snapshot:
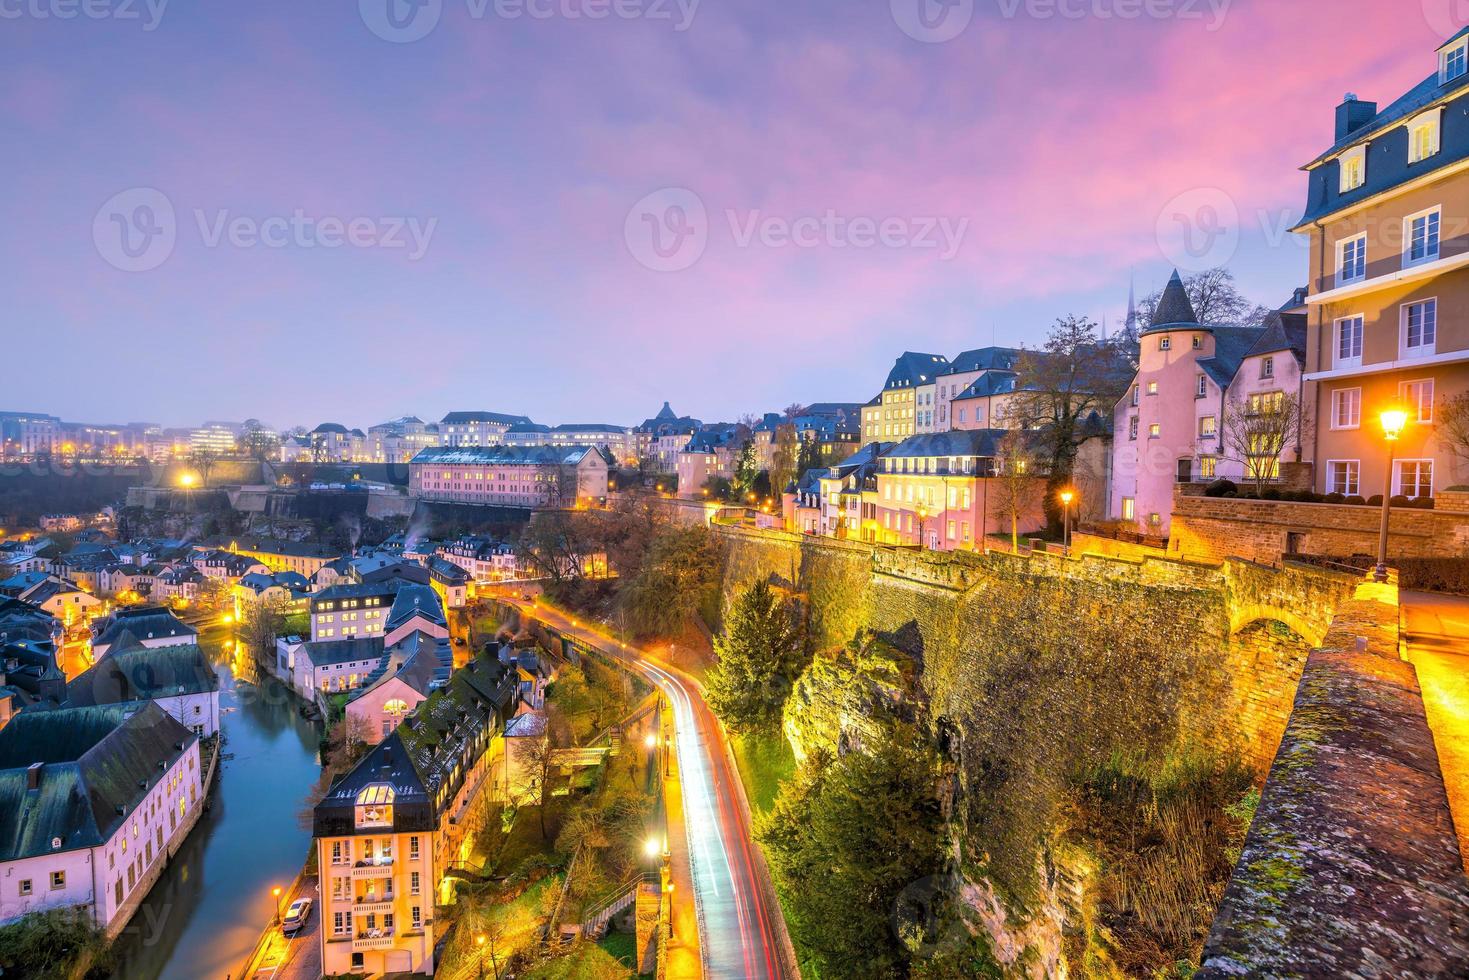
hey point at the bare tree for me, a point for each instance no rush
(1258, 429)
(1215, 298)
(259, 443)
(203, 460)
(1019, 485)
(1453, 424)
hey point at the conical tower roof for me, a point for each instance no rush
(1175, 311)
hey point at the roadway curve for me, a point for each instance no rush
(740, 932)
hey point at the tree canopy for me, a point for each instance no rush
(760, 656)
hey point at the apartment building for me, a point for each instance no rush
(388, 831)
(839, 501)
(1193, 382)
(936, 397)
(477, 428)
(1387, 214)
(937, 490)
(27, 434)
(898, 411)
(520, 477)
(399, 440)
(346, 612)
(615, 439)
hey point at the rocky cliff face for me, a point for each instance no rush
(850, 698)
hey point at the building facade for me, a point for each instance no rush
(1389, 293)
(509, 476)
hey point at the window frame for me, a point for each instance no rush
(1397, 476)
(1404, 396)
(1355, 360)
(1406, 352)
(1356, 486)
(1431, 121)
(1359, 242)
(1447, 56)
(1409, 262)
(1352, 163)
(1336, 394)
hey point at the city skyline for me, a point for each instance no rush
(490, 183)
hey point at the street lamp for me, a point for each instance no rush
(1393, 421)
(479, 944)
(652, 848)
(275, 904)
(1066, 497)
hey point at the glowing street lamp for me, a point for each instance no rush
(1393, 422)
(186, 481)
(275, 903)
(1066, 497)
(652, 848)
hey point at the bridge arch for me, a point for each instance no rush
(1242, 617)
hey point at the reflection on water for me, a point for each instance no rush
(203, 916)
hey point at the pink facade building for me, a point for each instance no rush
(509, 476)
(1172, 425)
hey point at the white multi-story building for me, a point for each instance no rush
(477, 428)
(138, 775)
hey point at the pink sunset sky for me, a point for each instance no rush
(500, 174)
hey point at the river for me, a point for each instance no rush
(203, 916)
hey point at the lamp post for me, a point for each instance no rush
(275, 905)
(1393, 420)
(1066, 497)
(479, 944)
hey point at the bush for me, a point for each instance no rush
(1270, 493)
(1221, 488)
(1421, 503)
(1399, 500)
(1375, 500)
(1449, 575)
(1336, 498)
(1357, 500)
(1458, 488)
(1230, 494)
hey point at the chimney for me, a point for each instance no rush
(33, 775)
(1352, 115)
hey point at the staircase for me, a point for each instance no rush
(594, 923)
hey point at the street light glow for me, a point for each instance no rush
(1393, 422)
(652, 848)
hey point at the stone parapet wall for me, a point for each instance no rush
(1214, 528)
(1351, 866)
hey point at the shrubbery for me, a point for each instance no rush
(1229, 491)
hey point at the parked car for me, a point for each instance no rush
(296, 916)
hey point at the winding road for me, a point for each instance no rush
(741, 934)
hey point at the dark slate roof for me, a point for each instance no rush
(99, 763)
(591, 427)
(912, 369)
(665, 414)
(502, 455)
(329, 427)
(276, 546)
(1175, 310)
(868, 454)
(145, 623)
(415, 600)
(984, 359)
(421, 661)
(329, 653)
(353, 590)
(461, 418)
(528, 427)
(972, 442)
(1231, 346)
(1282, 332)
(990, 383)
(831, 408)
(138, 673)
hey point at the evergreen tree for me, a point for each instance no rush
(759, 657)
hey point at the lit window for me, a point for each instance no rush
(1423, 136)
(1155, 430)
(1152, 387)
(1344, 476)
(1420, 328)
(58, 879)
(1353, 169)
(1198, 342)
(1129, 508)
(1208, 426)
(1208, 467)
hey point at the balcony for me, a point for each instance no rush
(372, 939)
(376, 868)
(372, 902)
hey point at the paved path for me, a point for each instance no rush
(1436, 628)
(740, 934)
(295, 957)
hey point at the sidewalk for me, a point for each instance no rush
(1436, 631)
(297, 957)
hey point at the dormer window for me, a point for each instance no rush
(1353, 168)
(1453, 62)
(1423, 136)
(375, 806)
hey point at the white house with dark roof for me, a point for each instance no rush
(93, 803)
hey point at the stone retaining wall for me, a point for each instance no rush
(1351, 867)
(1214, 528)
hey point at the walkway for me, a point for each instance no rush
(1436, 631)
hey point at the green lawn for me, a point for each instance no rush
(764, 762)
